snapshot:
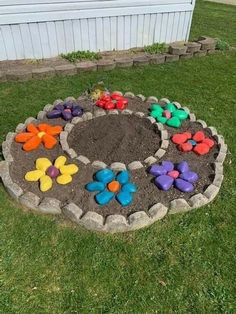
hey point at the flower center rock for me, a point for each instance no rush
(167, 114)
(53, 172)
(173, 174)
(194, 143)
(113, 186)
(41, 134)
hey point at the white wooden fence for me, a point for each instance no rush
(45, 28)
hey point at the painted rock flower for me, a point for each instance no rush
(45, 172)
(169, 114)
(109, 185)
(66, 111)
(113, 101)
(35, 135)
(198, 143)
(167, 174)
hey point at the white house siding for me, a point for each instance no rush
(45, 28)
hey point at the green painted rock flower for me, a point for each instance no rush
(169, 114)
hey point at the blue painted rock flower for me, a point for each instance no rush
(169, 114)
(167, 175)
(66, 111)
(110, 185)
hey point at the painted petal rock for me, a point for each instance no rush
(161, 119)
(64, 179)
(68, 105)
(43, 164)
(181, 114)
(208, 142)
(45, 183)
(77, 112)
(120, 105)
(174, 122)
(54, 114)
(164, 182)
(33, 176)
(59, 107)
(109, 105)
(123, 177)
(201, 149)
(157, 170)
(157, 109)
(185, 147)
(170, 107)
(184, 186)
(199, 136)
(129, 187)
(179, 138)
(95, 186)
(105, 175)
(69, 169)
(104, 197)
(182, 166)
(124, 198)
(168, 165)
(60, 161)
(67, 115)
(53, 172)
(189, 176)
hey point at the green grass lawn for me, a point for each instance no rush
(183, 264)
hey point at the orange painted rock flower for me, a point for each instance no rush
(37, 134)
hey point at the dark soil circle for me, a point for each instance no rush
(115, 138)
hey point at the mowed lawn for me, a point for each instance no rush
(183, 264)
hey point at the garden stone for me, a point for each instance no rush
(156, 59)
(160, 126)
(177, 105)
(41, 115)
(29, 200)
(135, 165)
(152, 99)
(99, 164)
(218, 179)
(92, 221)
(139, 220)
(192, 117)
(212, 130)
(202, 123)
(142, 97)
(99, 113)
(88, 66)
(18, 75)
(83, 159)
(141, 61)
(160, 153)
(127, 112)
(177, 49)
(30, 120)
(151, 119)
(172, 58)
(114, 111)
(186, 109)
(57, 102)
(116, 223)
(50, 206)
(164, 101)
(68, 128)
(179, 206)
(71, 152)
(106, 65)
(87, 116)
(200, 54)
(124, 62)
(43, 72)
(223, 148)
(118, 166)
(218, 167)
(211, 192)
(129, 95)
(70, 99)
(67, 69)
(221, 157)
(139, 114)
(6, 150)
(208, 43)
(20, 127)
(158, 211)
(76, 120)
(48, 108)
(73, 212)
(150, 160)
(164, 135)
(193, 47)
(185, 56)
(164, 144)
(198, 200)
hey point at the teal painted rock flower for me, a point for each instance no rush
(109, 185)
(169, 114)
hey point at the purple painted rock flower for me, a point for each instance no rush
(66, 111)
(167, 174)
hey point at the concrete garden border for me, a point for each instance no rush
(113, 223)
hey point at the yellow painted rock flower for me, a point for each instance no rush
(45, 172)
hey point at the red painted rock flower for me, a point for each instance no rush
(198, 143)
(113, 101)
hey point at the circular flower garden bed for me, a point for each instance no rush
(115, 163)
